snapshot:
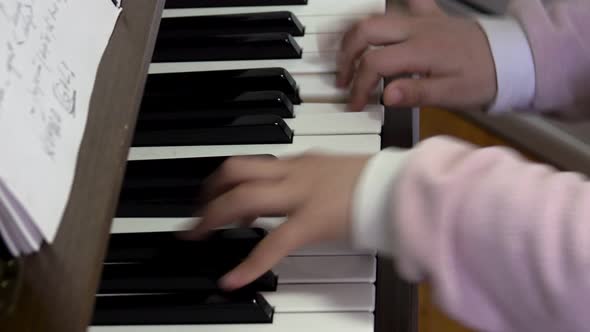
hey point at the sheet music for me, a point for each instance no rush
(49, 54)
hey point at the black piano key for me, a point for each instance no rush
(230, 24)
(227, 47)
(171, 172)
(170, 203)
(188, 276)
(248, 129)
(221, 84)
(232, 244)
(165, 188)
(229, 3)
(198, 107)
(188, 308)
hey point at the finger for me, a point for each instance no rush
(377, 30)
(247, 221)
(278, 244)
(237, 170)
(392, 60)
(424, 7)
(244, 201)
(410, 92)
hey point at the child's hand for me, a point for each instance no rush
(451, 55)
(314, 191)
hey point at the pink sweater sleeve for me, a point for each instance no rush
(504, 242)
(557, 34)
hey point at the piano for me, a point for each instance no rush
(183, 85)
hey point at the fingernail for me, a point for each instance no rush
(395, 96)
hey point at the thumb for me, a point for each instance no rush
(408, 92)
(424, 7)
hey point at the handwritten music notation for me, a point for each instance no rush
(49, 54)
(53, 83)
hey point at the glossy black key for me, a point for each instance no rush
(232, 245)
(214, 106)
(221, 84)
(229, 3)
(188, 276)
(227, 47)
(164, 188)
(247, 129)
(187, 308)
(189, 107)
(179, 202)
(230, 24)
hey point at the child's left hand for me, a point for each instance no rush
(315, 191)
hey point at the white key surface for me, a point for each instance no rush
(329, 23)
(282, 322)
(325, 42)
(333, 144)
(147, 225)
(336, 123)
(321, 88)
(313, 7)
(326, 269)
(310, 63)
(322, 108)
(322, 298)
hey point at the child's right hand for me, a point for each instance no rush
(451, 55)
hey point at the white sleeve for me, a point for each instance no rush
(513, 58)
(371, 203)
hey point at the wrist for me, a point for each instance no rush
(371, 217)
(514, 64)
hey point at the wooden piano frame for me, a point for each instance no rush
(57, 285)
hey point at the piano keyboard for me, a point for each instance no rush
(325, 287)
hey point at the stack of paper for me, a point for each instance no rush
(49, 55)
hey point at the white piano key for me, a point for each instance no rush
(325, 42)
(282, 322)
(148, 225)
(315, 7)
(321, 88)
(333, 144)
(322, 298)
(323, 108)
(349, 123)
(310, 63)
(326, 269)
(329, 23)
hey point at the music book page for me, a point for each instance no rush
(49, 55)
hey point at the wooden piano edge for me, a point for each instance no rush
(59, 282)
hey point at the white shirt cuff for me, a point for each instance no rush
(513, 58)
(371, 218)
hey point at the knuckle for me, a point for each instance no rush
(416, 94)
(364, 26)
(367, 63)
